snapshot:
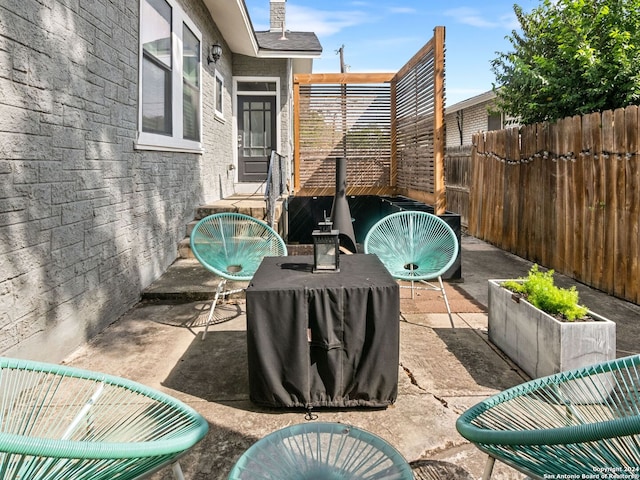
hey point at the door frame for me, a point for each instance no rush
(265, 105)
(246, 187)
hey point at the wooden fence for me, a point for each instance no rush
(565, 195)
(457, 168)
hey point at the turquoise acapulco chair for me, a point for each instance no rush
(232, 246)
(581, 423)
(321, 450)
(414, 247)
(64, 423)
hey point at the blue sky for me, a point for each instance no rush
(381, 36)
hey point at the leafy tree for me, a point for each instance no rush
(571, 57)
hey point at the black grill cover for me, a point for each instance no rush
(323, 339)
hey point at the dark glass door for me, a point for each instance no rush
(256, 136)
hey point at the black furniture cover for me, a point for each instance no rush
(323, 339)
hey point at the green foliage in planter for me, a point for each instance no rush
(539, 290)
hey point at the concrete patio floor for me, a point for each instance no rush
(443, 370)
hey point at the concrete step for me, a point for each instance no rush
(186, 280)
(254, 206)
(259, 212)
(190, 226)
(184, 249)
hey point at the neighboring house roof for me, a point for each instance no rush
(232, 19)
(470, 102)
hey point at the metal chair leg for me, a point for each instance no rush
(219, 291)
(433, 286)
(177, 471)
(446, 300)
(488, 468)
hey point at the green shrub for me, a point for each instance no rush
(539, 290)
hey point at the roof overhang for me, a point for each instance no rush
(232, 19)
(292, 54)
(470, 102)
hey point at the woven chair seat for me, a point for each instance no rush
(414, 246)
(579, 422)
(232, 246)
(62, 423)
(321, 450)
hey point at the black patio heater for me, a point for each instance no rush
(340, 212)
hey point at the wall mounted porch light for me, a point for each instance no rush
(215, 52)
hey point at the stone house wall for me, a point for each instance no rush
(86, 220)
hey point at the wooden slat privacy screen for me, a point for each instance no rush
(414, 120)
(344, 120)
(419, 124)
(389, 127)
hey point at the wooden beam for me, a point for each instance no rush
(440, 204)
(311, 78)
(351, 191)
(393, 167)
(296, 137)
(419, 195)
(417, 58)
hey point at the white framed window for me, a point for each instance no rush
(219, 95)
(494, 121)
(170, 93)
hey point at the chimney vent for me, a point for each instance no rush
(278, 9)
(340, 212)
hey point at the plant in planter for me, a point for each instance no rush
(543, 328)
(540, 290)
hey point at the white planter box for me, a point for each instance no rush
(541, 345)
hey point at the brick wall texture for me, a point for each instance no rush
(475, 119)
(87, 221)
(277, 15)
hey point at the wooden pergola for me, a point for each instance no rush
(389, 127)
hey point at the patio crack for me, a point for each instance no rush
(414, 381)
